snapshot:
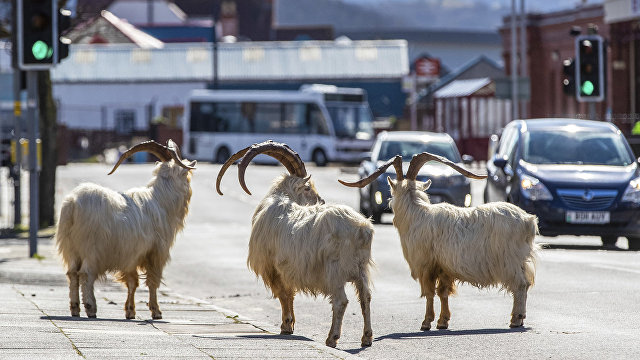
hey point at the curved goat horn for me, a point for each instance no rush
(420, 159)
(396, 161)
(279, 151)
(174, 151)
(228, 163)
(162, 152)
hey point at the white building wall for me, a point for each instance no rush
(94, 106)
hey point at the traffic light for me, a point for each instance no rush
(64, 24)
(569, 77)
(37, 37)
(589, 68)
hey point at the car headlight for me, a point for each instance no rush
(533, 189)
(632, 193)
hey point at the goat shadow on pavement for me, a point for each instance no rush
(84, 318)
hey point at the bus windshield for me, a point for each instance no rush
(353, 121)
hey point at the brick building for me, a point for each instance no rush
(549, 42)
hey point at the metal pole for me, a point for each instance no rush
(514, 63)
(523, 51)
(32, 121)
(17, 134)
(215, 46)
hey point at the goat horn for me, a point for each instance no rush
(396, 161)
(228, 163)
(279, 151)
(162, 152)
(174, 151)
(420, 159)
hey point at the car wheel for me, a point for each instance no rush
(363, 209)
(485, 195)
(222, 155)
(609, 241)
(319, 157)
(634, 243)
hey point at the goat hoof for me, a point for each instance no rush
(75, 314)
(130, 315)
(426, 327)
(286, 332)
(331, 342)
(156, 316)
(442, 325)
(366, 341)
(92, 316)
(516, 324)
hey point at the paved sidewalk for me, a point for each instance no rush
(35, 322)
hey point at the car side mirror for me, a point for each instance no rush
(500, 161)
(467, 159)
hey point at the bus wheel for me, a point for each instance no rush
(222, 155)
(319, 157)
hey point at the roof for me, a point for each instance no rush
(108, 28)
(242, 61)
(426, 35)
(462, 88)
(443, 81)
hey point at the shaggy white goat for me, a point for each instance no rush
(299, 244)
(100, 230)
(488, 245)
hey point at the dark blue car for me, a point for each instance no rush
(579, 177)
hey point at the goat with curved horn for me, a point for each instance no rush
(164, 153)
(293, 230)
(396, 161)
(420, 159)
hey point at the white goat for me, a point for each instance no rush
(489, 245)
(100, 230)
(299, 244)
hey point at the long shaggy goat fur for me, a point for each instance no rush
(489, 245)
(100, 231)
(299, 244)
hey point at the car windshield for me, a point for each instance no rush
(575, 147)
(407, 149)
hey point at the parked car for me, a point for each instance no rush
(447, 184)
(579, 177)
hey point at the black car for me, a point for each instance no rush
(447, 185)
(579, 177)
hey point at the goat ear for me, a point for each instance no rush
(392, 182)
(193, 163)
(426, 185)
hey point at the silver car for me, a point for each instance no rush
(447, 185)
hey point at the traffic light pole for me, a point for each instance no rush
(32, 121)
(17, 134)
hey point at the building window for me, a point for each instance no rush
(125, 120)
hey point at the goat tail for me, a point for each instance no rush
(530, 262)
(63, 232)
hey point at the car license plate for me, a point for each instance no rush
(587, 217)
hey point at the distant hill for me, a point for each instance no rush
(346, 15)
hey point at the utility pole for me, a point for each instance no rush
(523, 52)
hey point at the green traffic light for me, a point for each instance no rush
(41, 50)
(587, 88)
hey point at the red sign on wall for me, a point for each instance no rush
(428, 68)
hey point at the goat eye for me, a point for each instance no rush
(307, 188)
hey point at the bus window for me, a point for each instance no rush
(316, 123)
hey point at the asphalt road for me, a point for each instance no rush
(584, 303)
